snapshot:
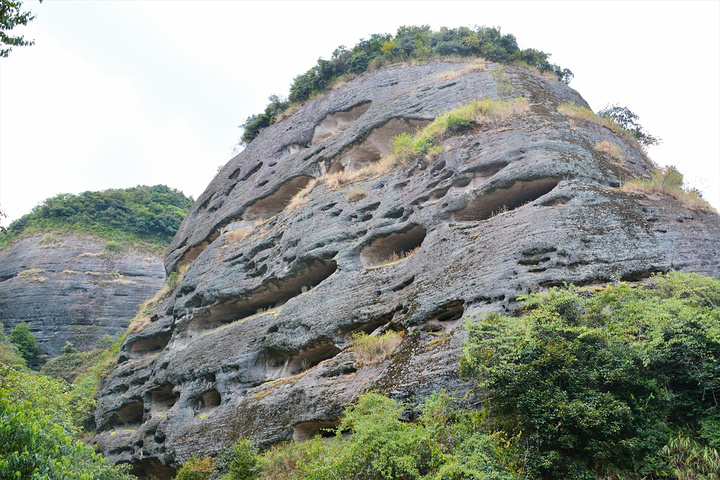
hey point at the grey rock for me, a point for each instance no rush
(254, 340)
(67, 290)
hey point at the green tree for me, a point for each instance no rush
(628, 120)
(11, 16)
(597, 383)
(24, 340)
(38, 433)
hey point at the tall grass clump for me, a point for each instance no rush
(668, 181)
(572, 110)
(370, 349)
(427, 141)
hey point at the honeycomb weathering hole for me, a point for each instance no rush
(496, 201)
(149, 345)
(129, 414)
(279, 364)
(274, 203)
(383, 250)
(272, 293)
(377, 144)
(303, 431)
(163, 396)
(337, 122)
(208, 400)
(450, 312)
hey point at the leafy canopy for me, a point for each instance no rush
(410, 42)
(599, 382)
(38, 433)
(628, 120)
(148, 214)
(24, 340)
(11, 16)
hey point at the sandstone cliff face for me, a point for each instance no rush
(254, 340)
(66, 289)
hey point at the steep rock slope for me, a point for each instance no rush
(67, 288)
(254, 340)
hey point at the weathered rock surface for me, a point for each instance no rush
(254, 340)
(67, 289)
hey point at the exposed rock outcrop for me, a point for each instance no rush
(254, 340)
(66, 287)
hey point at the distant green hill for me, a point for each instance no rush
(146, 214)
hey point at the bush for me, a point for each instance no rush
(9, 353)
(628, 120)
(238, 462)
(668, 181)
(38, 438)
(409, 42)
(196, 469)
(595, 383)
(426, 141)
(24, 340)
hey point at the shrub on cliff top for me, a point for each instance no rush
(408, 43)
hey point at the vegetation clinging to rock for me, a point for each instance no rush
(597, 383)
(409, 43)
(39, 437)
(147, 214)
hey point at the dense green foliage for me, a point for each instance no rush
(444, 443)
(9, 353)
(148, 214)
(409, 43)
(84, 370)
(604, 384)
(629, 121)
(24, 340)
(11, 16)
(39, 433)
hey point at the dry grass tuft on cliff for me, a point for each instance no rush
(425, 143)
(668, 181)
(609, 148)
(371, 349)
(573, 111)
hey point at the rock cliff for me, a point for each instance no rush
(66, 287)
(254, 340)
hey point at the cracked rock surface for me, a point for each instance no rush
(67, 289)
(255, 338)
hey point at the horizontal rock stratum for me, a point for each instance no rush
(68, 288)
(255, 338)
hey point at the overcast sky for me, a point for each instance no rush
(122, 93)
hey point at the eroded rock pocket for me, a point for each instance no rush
(273, 293)
(278, 364)
(393, 247)
(336, 122)
(377, 144)
(148, 346)
(502, 200)
(274, 203)
(206, 402)
(128, 416)
(163, 398)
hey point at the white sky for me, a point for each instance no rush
(122, 93)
